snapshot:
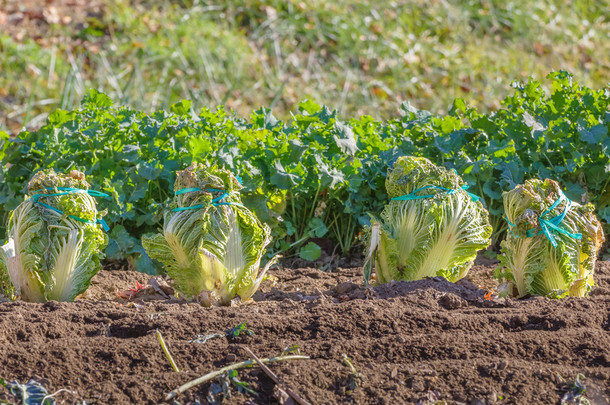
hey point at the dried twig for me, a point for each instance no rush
(167, 353)
(277, 380)
(223, 370)
(55, 393)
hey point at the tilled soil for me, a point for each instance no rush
(426, 342)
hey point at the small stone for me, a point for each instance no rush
(231, 357)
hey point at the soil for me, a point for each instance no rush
(426, 342)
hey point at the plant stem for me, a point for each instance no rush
(209, 376)
(167, 353)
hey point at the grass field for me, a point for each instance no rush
(361, 58)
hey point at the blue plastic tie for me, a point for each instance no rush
(412, 195)
(548, 226)
(67, 191)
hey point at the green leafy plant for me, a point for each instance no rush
(553, 242)
(56, 238)
(430, 227)
(314, 178)
(211, 245)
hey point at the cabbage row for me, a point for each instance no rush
(211, 245)
(315, 178)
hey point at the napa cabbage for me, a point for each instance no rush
(552, 242)
(211, 245)
(55, 240)
(431, 226)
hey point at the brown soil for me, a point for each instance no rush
(423, 342)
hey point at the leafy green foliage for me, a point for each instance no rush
(430, 227)
(553, 243)
(238, 330)
(54, 247)
(317, 176)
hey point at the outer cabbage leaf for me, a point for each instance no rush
(532, 265)
(50, 256)
(212, 252)
(434, 236)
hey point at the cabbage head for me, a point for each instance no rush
(55, 240)
(211, 245)
(431, 226)
(552, 242)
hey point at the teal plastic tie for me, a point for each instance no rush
(67, 191)
(548, 226)
(413, 195)
(186, 190)
(215, 201)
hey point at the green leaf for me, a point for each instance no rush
(344, 137)
(309, 106)
(290, 229)
(491, 189)
(181, 108)
(150, 171)
(282, 179)
(59, 117)
(605, 214)
(121, 243)
(310, 252)
(129, 153)
(95, 98)
(594, 135)
(317, 227)
(270, 121)
(237, 330)
(512, 174)
(297, 150)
